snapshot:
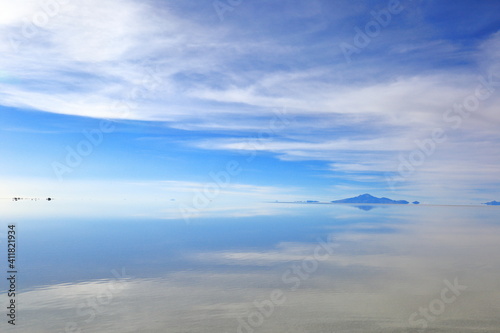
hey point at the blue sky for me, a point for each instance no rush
(312, 99)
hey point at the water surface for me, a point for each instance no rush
(303, 268)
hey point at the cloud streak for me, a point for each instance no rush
(228, 77)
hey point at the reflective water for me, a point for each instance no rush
(305, 268)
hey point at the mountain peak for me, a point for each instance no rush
(368, 198)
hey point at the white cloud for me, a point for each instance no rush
(14, 12)
(90, 58)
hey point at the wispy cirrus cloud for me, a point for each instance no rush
(226, 78)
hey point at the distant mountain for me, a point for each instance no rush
(370, 199)
(492, 203)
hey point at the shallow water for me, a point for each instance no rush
(307, 268)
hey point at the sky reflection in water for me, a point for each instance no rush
(386, 272)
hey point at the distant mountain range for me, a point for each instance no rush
(370, 199)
